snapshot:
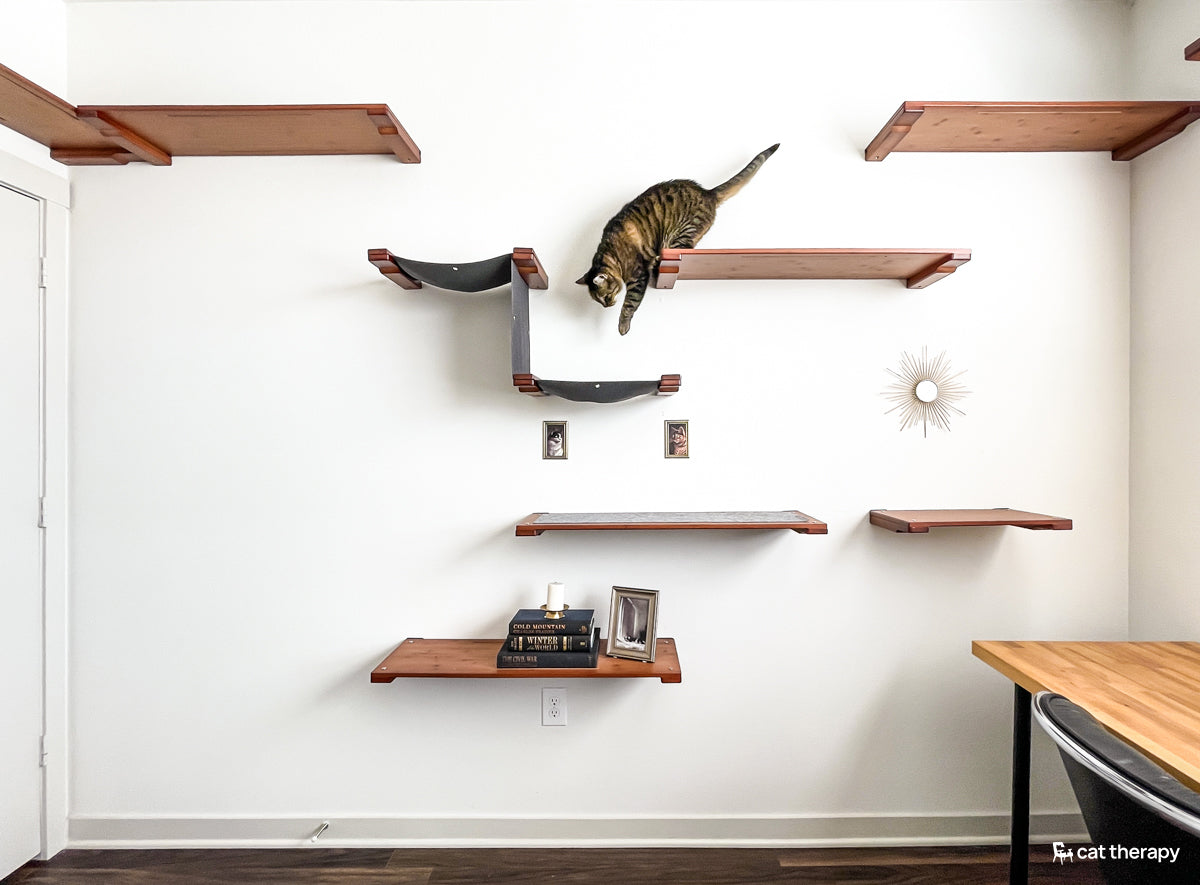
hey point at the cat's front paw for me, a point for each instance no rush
(624, 323)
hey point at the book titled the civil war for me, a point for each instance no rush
(507, 659)
(533, 621)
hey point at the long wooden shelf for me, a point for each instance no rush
(476, 659)
(114, 135)
(1124, 128)
(916, 268)
(921, 521)
(536, 523)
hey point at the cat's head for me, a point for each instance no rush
(604, 287)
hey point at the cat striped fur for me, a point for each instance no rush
(672, 214)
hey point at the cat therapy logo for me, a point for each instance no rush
(1152, 854)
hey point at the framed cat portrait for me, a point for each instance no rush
(675, 439)
(554, 440)
(632, 624)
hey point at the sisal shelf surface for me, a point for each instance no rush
(536, 523)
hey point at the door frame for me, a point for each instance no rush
(52, 193)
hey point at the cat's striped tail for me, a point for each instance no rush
(724, 191)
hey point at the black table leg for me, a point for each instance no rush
(1018, 862)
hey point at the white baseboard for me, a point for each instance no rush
(96, 831)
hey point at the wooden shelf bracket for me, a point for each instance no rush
(522, 271)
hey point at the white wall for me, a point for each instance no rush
(284, 464)
(1165, 430)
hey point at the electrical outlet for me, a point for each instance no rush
(554, 706)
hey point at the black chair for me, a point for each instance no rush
(1145, 821)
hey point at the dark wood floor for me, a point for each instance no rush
(571, 866)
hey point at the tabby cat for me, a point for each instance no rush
(670, 215)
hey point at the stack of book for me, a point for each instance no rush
(534, 640)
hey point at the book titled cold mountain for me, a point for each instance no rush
(529, 621)
(511, 660)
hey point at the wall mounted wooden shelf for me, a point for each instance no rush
(536, 523)
(916, 268)
(921, 521)
(522, 271)
(476, 659)
(114, 135)
(1192, 53)
(1125, 128)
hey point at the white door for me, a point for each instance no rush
(20, 538)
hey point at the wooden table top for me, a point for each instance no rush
(1147, 693)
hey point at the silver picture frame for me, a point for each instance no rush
(632, 624)
(554, 440)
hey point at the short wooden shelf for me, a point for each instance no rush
(114, 135)
(1124, 128)
(1192, 53)
(536, 523)
(476, 659)
(920, 521)
(916, 268)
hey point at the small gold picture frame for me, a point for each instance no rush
(554, 440)
(675, 439)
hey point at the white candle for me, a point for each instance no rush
(554, 596)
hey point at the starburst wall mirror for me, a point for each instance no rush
(925, 391)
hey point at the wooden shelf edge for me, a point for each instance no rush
(921, 521)
(530, 268)
(124, 137)
(386, 262)
(1192, 52)
(1156, 136)
(393, 133)
(894, 131)
(527, 383)
(532, 526)
(42, 116)
(417, 658)
(939, 269)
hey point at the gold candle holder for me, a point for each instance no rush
(555, 614)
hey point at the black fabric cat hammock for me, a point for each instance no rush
(522, 271)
